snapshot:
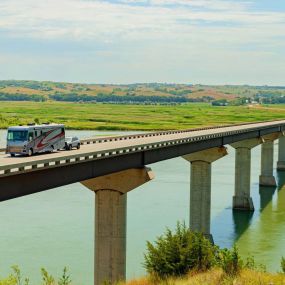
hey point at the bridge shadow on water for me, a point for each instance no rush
(230, 225)
(280, 179)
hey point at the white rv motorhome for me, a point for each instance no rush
(32, 139)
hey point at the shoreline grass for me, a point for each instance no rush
(215, 276)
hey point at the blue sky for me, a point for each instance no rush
(127, 41)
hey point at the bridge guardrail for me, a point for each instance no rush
(6, 170)
(160, 133)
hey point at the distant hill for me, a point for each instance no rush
(17, 90)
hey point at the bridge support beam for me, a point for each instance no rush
(266, 177)
(200, 188)
(110, 221)
(281, 154)
(242, 199)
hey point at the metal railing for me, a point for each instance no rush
(162, 133)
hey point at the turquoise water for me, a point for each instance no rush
(55, 228)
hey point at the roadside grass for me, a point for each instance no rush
(133, 117)
(216, 277)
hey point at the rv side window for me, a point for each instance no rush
(31, 136)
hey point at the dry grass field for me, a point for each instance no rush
(217, 277)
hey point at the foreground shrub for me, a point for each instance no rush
(176, 253)
(231, 262)
(283, 264)
(16, 278)
(47, 278)
(65, 278)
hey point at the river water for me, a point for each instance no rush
(55, 228)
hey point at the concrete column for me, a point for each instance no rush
(200, 188)
(281, 154)
(242, 199)
(266, 177)
(110, 221)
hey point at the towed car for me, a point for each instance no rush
(71, 142)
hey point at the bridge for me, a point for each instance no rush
(113, 166)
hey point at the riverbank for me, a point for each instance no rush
(217, 277)
(212, 277)
(133, 117)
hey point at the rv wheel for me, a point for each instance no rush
(78, 146)
(30, 152)
(12, 154)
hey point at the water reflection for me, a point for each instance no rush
(266, 195)
(259, 233)
(264, 237)
(241, 222)
(280, 175)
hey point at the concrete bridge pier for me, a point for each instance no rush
(281, 154)
(266, 177)
(110, 221)
(242, 199)
(200, 188)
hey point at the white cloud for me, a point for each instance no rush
(209, 4)
(150, 32)
(78, 19)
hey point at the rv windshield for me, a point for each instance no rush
(17, 135)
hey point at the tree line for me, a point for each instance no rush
(100, 98)
(21, 97)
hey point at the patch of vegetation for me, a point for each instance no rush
(230, 261)
(16, 278)
(133, 117)
(21, 97)
(215, 276)
(101, 97)
(184, 257)
(175, 254)
(283, 264)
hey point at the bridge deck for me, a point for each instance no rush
(125, 144)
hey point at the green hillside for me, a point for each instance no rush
(13, 90)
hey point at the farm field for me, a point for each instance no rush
(133, 117)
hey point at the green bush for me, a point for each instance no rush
(47, 278)
(175, 254)
(65, 278)
(16, 278)
(230, 261)
(283, 264)
(250, 263)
